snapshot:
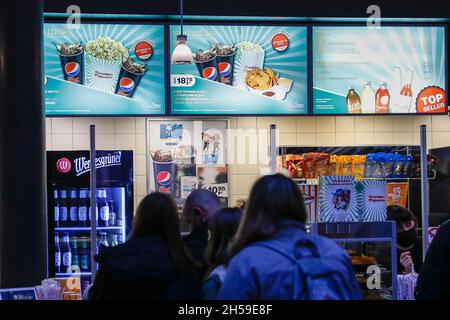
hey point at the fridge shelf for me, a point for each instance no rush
(316, 181)
(86, 228)
(60, 274)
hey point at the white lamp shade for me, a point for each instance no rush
(182, 54)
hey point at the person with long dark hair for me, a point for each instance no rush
(153, 263)
(222, 227)
(273, 257)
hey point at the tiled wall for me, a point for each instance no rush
(129, 134)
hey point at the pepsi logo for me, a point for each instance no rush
(126, 84)
(72, 69)
(63, 165)
(224, 69)
(308, 199)
(209, 73)
(164, 178)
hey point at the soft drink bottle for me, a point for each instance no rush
(57, 254)
(367, 99)
(353, 101)
(56, 208)
(73, 211)
(382, 99)
(406, 95)
(63, 210)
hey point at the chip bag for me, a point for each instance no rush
(309, 163)
(321, 164)
(333, 167)
(358, 166)
(346, 168)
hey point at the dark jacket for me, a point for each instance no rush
(434, 278)
(196, 242)
(142, 269)
(259, 273)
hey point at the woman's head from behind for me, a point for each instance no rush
(273, 198)
(222, 227)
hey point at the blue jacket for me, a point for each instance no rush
(259, 273)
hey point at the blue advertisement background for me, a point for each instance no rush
(225, 99)
(67, 98)
(337, 64)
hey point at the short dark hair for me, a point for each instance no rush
(272, 199)
(157, 215)
(400, 214)
(222, 227)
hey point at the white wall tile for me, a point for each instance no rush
(62, 125)
(62, 142)
(141, 165)
(140, 143)
(140, 125)
(384, 124)
(105, 141)
(403, 124)
(288, 139)
(247, 169)
(440, 123)
(48, 125)
(364, 124)
(384, 138)
(104, 125)
(125, 141)
(421, 120)
(245, 183)
(306, 124)
(81, 141)
(364, 138)
(48, 142)
(141, 186)
(233, 122)
(345, 124)
(264, 170)
(246, 122)
(265, 122)
(234, 184)
(82, 125)
(403, 138)
(125, 125)
(326, 139)
(287, 125)
(345, 139)
(263, 159)
(441, 139)
(306, 139)
(325, 124)
(416, 139)
(232, 169)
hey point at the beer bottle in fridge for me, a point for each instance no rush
(57, 254)
(75, 256)
(96, 207)
(73, 211)
(85, 255)
(104, 209)
(82, 209)
(56, 208)
(112, 214)
(63, 209)
(66, 253)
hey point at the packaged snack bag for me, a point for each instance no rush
(369, 166)
(397, 193)
(294, 164)
(333, 168)
(398, 165)
(309, 165)
(347, 166)
(388, 167)
(358, 166)
(379, 162)
(407, 167)
(321, 164)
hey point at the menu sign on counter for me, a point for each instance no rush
(104, 69)
(241, 70)
(396, 70)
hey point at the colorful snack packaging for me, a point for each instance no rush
(294, 164)
(346, 168)
(309, 165)
(359, 166)
(407, 167)
(333, 167)
(398, 165)
(379, 162)
(321, 164)
(397, 193)
(369, 166)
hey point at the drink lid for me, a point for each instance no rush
(384, 84)
(351, 88)
(368, 83)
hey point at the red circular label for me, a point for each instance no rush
(280, 42)
(143, 50)
(431, 100)
(63, 165)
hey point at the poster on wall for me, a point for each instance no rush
(185, 155)
(103, 69)
(372, 200)
(241, 70)
(388, 70)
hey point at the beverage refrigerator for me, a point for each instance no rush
(69, 218)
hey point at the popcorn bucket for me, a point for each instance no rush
(101, 74)
(244, 60)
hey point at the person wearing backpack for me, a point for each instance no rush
(221, 228)
(274, 258)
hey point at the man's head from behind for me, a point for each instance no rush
(200, 206)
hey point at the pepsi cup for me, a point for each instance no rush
(72, 66)
(208, 69)
(164, 174)
(127, 82)
(225, 64)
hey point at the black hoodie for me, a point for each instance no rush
(142, 269)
